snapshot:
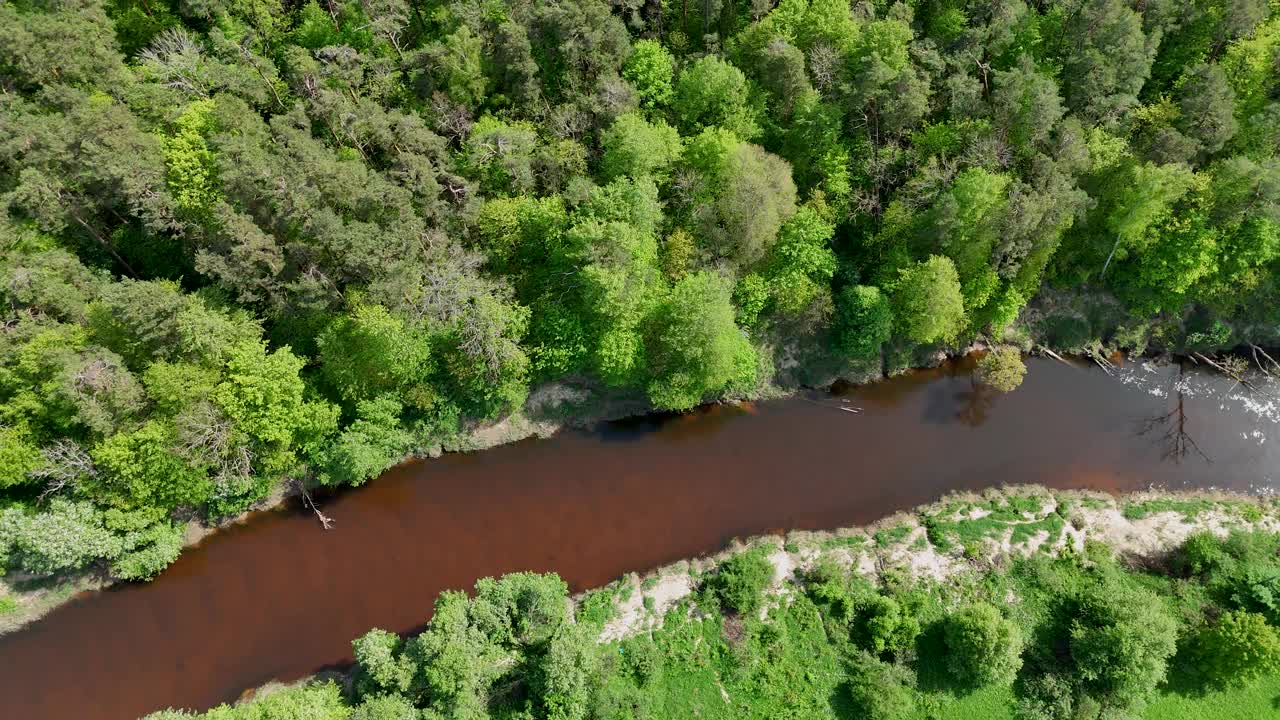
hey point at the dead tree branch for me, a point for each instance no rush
(325, 521)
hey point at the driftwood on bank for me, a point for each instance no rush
(1101, 361)
(1055, 356)
(850, 410)
(308, 502)
(1257, 351)
(1232, 372)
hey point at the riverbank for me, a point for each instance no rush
(549, 409)
(926, 563)
(958, 537)
(278, 597)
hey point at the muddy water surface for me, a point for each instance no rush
(278, 598)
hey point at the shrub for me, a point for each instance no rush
(520, 608)
(381, 665)
(864, 321)
(983, 648)
(883, 625)
(566, 675)
(1001, 369)
(597, 608)
(879, 691)
(1121, 639)
(741, 580)
(1237, 649)
(1047, 697)
(149, 551)
(386, 707)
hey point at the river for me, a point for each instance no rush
(279, 598)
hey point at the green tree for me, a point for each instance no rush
(263, 393)
(693, 346)
(18, 457)
(190, 162)
(1105, 58)
(801, 263)
(454, 65)
(567, 674)
(1206, 105)
(1001, 368)
(752, 196)
(147, 548)
(1121, 640)
(881, 624)
(879, 691)
(520, 609)
(67, 536)
(864, 321)
(650, 69)
(1237, 649)
(983, 648)
(372, 443)
(741, 580)
(385, 707)
(381, 665)
(369, 351)
(1027, 106)
(456, 661)
(142, 468)
(927, 302)
(711, 92)
(633, 147)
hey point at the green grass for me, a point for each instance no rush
(8, 605)
(893, 535)
(951, 527)
(783, 668)
(1189, 509)
(851, 542)
(1255, 702)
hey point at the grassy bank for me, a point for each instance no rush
(1087, 606)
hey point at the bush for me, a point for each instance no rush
(1051, 696)
(382, 667)
(882, 625)
(386, 707)
(1001, 369)
(983, 648)
(149, 551)
(741, 580)
(566, 675)
(1202, 553)
(68, 536)
(880, 691)
(1121, 639)
(1237, 649)
(520, 608)
(864, 321)
(597, 608)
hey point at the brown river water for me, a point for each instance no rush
(279, 598)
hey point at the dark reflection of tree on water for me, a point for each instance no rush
(975, 404)
(970, 407)
(1170, 428)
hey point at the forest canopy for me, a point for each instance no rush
(247, 242)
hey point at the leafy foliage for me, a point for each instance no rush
(245, 242)
(1001, 368)
(740, 581)
(983, 648)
